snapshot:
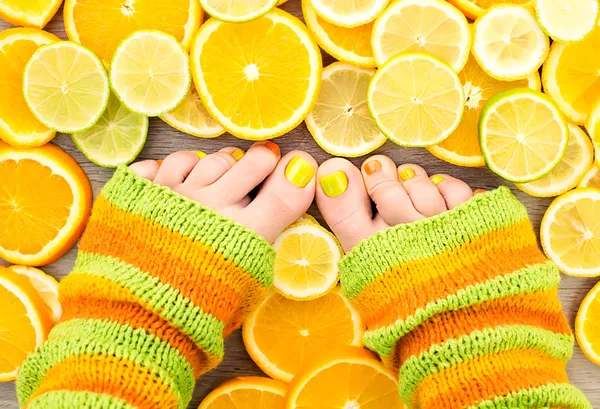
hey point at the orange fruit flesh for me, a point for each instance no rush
(29, 13)
(247, 393)
(591, 327)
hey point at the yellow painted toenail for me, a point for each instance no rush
(335, 184)
(238, 154)
(299, 171)
(437, 179)
(200, 154)
(407, 173)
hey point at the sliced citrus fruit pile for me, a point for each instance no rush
(442, 31)
(45, 285)
(523, 135)
(45, 204)
(247, 393)
(586, 325)
(570, 232)
(24, 323)
(340, 122)
(416, 100)
(475, 8)
(34, 14)
(192, 118)
(305, 330)
(340, 14)
(263, 84)
(567, 20)
(237, 11)
(591, 178)
(102, 25)
(509, 43)
(65, 86)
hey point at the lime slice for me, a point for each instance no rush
(192, 118)
(117, 138)
(65, 86)
(522, 134)
(150, 73)
(237, 11)
(567, 20)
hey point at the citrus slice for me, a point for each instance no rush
(307, 218)
(591, 178)
(442, 31)
(65, 86)
(416, 100)
(462, 146)
(44, 204)
(355, 14)
(340, 122)
(509, 43)
(192, 118)
(45, 285)
(305, 330)
(237, 11)
(259, 79)
(29, 13)
(150, 73)
(351, 45)
(567, 20)
(24, 323)
(102, 25)
(586, 325)
(247, 393)
(18, 126)
(570, 232)
(306, 262)
(116, 139)
(593, 127)
(571, 76)
(350, 380)
(522, 135)
(578, 158)
(475, 8)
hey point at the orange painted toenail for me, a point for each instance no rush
(200, 154)
(407, 173)
(238, 154)
(373, 166)
(437, 179)
(480, 191)
(160, 161)
(274, 147)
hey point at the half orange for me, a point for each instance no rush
(29, 13)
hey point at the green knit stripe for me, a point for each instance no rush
(526, 280)
(427, 238)
(77, 399)
(203, 328)
(102, 337)
(552, 395)
(139, 196)
(479, 343)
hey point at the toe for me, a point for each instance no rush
(422, 190)
(211, 168)
(146, 169)
(284, 196)
(175, 168)
(344, 202)
(454, 191)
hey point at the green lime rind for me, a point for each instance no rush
(207, 6)
(116, 139)
(512, 95)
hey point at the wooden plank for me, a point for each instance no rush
(163, 140)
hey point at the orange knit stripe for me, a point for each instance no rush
(87, 285)
(118, 377)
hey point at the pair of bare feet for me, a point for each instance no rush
(288, 185)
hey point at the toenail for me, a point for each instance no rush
(274, 147)
(299, 171)
(437, 179)
(480, 191)
(238, 154)
(407, 173)
(160, 161)
(373, 166)
(200, 154)
(335, 184)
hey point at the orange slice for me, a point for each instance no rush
(45, 285)
(247, 393)
(475, 8)
(18, 126)
(24, 323)
(305, 330)
(29, 13)
(587, 330)
(45, 199)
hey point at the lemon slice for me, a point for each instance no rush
(306, 262)
(475, 8)
(591, 178)
(65, 86)
(522, 135)
(416, 100)
(509, 43)
(349, 13)
(150, 73)
(259, 79)
(570, 232)
(586, 325)
(567, 20)
(578, 158)
(192, 118)
(593, 127)
(340, 122)
(442, 31)
(237, 11)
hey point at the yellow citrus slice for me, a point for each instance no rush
(509, 43)
(237, 11)
(45, 285)
(416, 100)
(18, 126)
(593, 127)
(475, 8)
(307, 218)
(305, 330)
(461, 148)
(570, 232)
(591, 178)
(29, 13)
(442, 31)
(586, 325)
(567, 20)
(571, 76)
(578, 158)
(258, 79)
(247, 393)
(343, 14)
(351, 45)
(102, 25)
(340, 122)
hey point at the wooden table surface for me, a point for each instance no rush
(163, 140)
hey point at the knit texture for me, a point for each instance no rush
(158, 282)
(465, 306)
